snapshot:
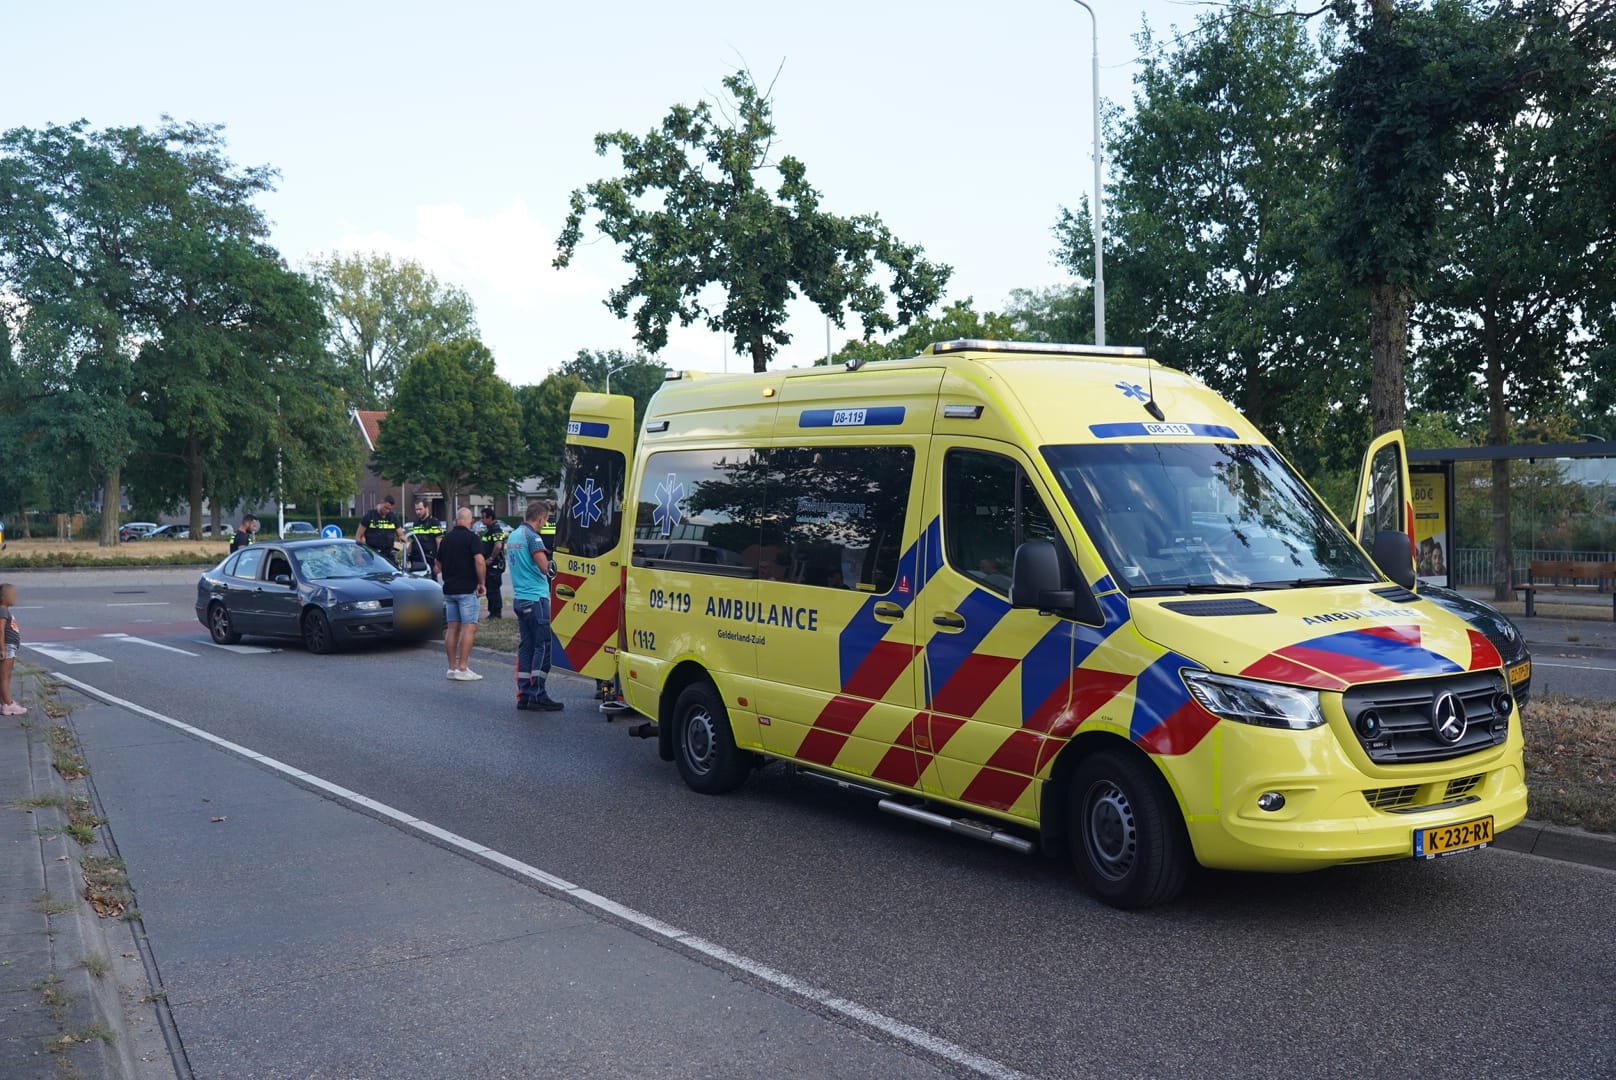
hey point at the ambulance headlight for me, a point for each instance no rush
(1249, 702)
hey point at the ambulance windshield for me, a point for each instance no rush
(1186, 517)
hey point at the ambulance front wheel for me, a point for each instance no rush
(1125, 832)
(703, 744)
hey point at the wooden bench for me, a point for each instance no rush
(1546, 574)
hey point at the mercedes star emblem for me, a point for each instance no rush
(1448, 719)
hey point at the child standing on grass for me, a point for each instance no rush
(11, 637)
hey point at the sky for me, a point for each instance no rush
(453, 133)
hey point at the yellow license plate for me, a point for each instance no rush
(413, 617)
(1451, 839)
(1520, 673)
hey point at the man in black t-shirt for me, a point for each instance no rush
(464, 571)
(493, 536)
(244, 535)
(378, 530)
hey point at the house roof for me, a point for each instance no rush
(370, 425)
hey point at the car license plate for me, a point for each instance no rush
(1452, 839)
(1520, 672)
(411, 617)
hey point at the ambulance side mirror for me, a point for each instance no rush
(1392, 555)
(1039, 580)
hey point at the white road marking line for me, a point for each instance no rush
(29, 607)
(66, 654)
(143, 603)
(896, 1029)
(1573, 667)
(244, 650)
(154, 644)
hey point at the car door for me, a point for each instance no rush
(1385, 501)
(586, 598)
(997, 679)
(241, 592)
(277, 598)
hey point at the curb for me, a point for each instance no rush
(1560, 842)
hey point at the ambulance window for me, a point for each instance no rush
(989, 509)
(589, 514)
(836, 515)
(1383, 509)
(702, 508)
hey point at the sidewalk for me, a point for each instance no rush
(295, 935)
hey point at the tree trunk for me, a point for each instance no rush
(111, 489)
(216, 512)
(22, 523)
(1498, 435)
(193, 454)
(1388, 348)
(760, 355)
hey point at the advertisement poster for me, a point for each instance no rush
(1432, 543)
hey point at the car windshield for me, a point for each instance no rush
(1187, 517)
(346, 560)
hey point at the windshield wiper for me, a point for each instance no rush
(1194, 587)
(1311, 582)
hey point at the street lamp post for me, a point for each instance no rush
(1097, 209)
(614, 371)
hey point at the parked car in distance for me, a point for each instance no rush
(169, 532)
(327, 592)
(299, 530)
(1496, 627)
(136, 530)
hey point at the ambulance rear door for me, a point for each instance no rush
(590, 543)
(1385, 505)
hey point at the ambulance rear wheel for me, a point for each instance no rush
(1125, 832)
(703, 744)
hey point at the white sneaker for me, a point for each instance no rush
(468, 675)
(452, 674)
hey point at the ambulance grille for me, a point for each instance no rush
(1464, 785)
(1401, 731)
(1389, 798)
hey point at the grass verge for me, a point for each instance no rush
(1571, 761)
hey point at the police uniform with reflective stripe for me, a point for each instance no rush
(381, 532)
(492, 536)
(427, 532)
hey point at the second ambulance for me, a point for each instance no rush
(1040, 594)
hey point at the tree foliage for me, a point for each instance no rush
(690, 212)
(381, 312)
(545, 407)
(958, 320)
(453, 421)
(633, 374)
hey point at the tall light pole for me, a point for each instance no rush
(614, 371)
(1097, 208)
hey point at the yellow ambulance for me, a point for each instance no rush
(1038, 594)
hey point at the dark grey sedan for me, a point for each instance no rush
(326, 592)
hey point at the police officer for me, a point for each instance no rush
(379, 529)
(244, 535)
(494, 536)
(425, 531)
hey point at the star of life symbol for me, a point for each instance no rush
(586, 503)
(667, 513)
(1133, 390)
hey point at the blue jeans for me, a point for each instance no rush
(533, 647)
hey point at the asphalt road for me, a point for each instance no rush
(1492, 964)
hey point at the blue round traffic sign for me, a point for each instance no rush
(332, 532)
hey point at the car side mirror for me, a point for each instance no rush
(1040, 580)
(1392, 555)
(282, 579)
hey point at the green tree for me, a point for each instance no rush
(690, 212)
(455, 421)
(1214, 229)
(634, 374)
(958, 320)
(545, 407)
(381, 312)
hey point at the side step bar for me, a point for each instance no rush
(977, 830)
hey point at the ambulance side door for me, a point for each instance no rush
(590, 541)
(1386, 505)
(992, 672)
(844, 529)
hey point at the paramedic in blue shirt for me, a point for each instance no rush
(528, 564)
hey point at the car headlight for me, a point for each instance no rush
(1247, 701)
(364, 605)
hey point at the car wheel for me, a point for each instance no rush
(317, 632)
(704, 746)
(1125, 831)
(219, 628)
